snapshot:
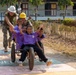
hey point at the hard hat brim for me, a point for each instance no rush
(23, 17)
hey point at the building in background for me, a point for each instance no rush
(49, 9)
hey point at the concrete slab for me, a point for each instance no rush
(9, 68)
(54, 73)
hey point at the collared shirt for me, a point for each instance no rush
(40, 38)
(30, 38)
(11, 18)
(18, 37)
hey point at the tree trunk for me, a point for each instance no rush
(36, 9)
(64, 13)
(35, 15)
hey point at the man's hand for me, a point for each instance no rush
(11, 28)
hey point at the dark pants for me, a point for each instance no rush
(40, 43)
(36, 49)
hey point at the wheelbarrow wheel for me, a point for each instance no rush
(13, 53)
(31, 58)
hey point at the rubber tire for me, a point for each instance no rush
(13, 57)
(31, 58)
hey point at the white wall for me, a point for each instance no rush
(69, 11)
(53, 18)
(41, 10)
(30, 10)
(3, 8)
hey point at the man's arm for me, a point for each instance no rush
(9, 23)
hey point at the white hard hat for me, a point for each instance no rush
(12, 9)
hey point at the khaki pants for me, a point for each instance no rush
(5, 40)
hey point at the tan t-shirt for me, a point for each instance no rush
(11, 18)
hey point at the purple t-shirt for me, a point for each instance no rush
(40, 38)
(18, 37)
(30, 38)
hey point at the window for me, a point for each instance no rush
(50, 9)
(53, 6)
(24, 7)
(47, 9)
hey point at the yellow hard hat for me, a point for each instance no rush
(22, 15)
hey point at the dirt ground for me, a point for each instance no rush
(49, 51)
(60, 44)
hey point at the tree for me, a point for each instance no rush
(63, 5)
(10, 2)
(7, 2)
(36, 3)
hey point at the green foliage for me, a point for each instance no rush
(63, 3)
(69, 22)
(6, 2)
(36, 2)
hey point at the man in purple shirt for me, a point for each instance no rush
(17, 36)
